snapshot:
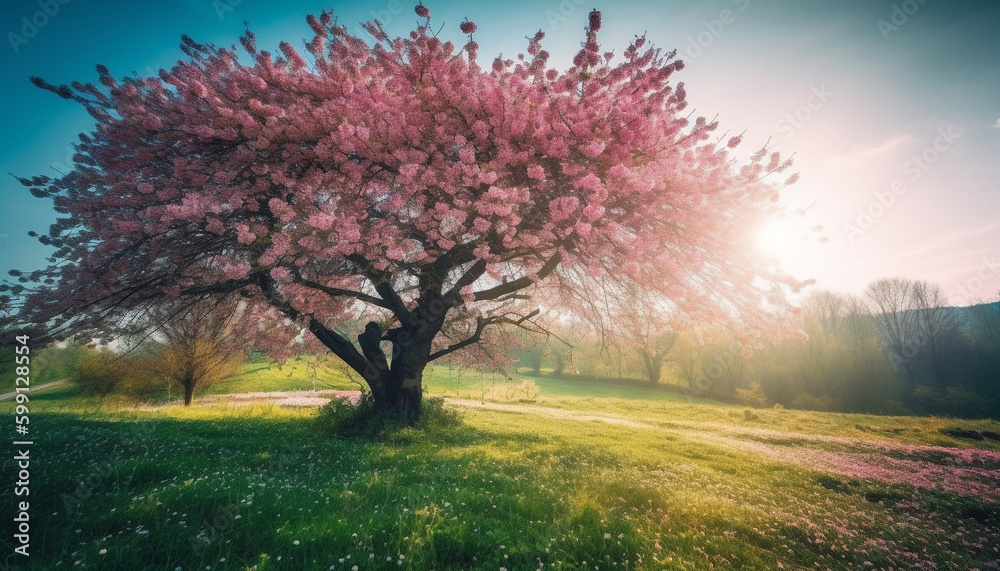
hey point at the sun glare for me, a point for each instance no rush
(780, 238)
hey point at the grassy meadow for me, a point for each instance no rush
(543, 474)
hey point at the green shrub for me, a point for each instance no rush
(435, 416)
(955, 401)
(960, 402)
(340, 417)
(754, 396)
(99, 373)
(55, 363)
(104, 373)
(143, 381)
(926, 397)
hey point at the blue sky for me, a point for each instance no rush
(890, 107)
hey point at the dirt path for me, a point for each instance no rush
(34, 388)
(548, 411)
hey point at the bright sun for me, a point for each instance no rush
(791, 243)
(779, 238)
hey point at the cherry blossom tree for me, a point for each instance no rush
(396, 182)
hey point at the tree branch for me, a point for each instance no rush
(468, 278)
(337, 292)
(481, 323)
(520, 283)
(342, 347)
(394, 303)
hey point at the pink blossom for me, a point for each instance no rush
(563, 207)
(481, 251)
(536, 172)
(349, 232)
(244, 235)
(594, 150)
(481, 225)
(467, 294)
(422, 11)
(530, 240)
(589, 182)
(321, 221)
(281, 274)
(594, 19)
(409, 170)
(593, 211)
(236, 271)
(215, 226)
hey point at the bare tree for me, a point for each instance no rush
(937, 323)
(891, 303)
(827, 310)
(865, 375)
(195, 345)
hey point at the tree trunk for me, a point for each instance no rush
(911, 373)
(937, 364)
(560, 365)
(397, 389)
(654, 365)
(188, 390)
(397, 385)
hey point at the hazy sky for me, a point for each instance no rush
(892, 108)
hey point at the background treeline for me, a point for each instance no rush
(166, 352)
(896, 349)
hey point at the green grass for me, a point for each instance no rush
(451, 381)
(170, 487)
(292, 375)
